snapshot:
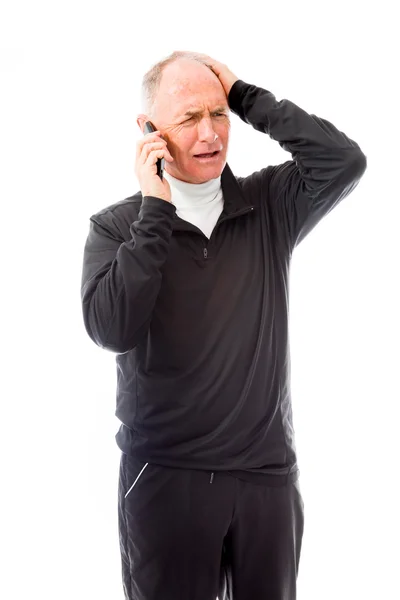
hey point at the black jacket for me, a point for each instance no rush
(200, 326)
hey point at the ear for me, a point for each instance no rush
(141, 120)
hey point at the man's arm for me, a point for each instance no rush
(326, 165)
(121, 280)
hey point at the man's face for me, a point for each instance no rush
(190, 109)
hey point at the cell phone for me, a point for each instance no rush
(149, 128)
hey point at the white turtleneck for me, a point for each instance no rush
(199, 203)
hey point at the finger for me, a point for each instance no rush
(154, 136)
(156, 154)
(146, 143)
(155, 146)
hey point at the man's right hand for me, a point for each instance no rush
(148, 149)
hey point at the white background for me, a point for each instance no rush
(70, 81)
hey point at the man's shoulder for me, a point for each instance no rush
(119, 216)
(121, 207)
(263, 175)
(257, 184)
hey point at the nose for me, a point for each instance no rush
(206, 131)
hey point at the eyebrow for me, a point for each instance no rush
(192, 111)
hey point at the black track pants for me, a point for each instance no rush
(187, 535)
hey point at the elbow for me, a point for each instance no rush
(117, 349)
(114, 346)
(357, 165)
(361, 164)
(121, 344)
(353, 170)
(118, 344)
(112, 335)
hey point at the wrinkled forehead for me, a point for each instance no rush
(183, 90)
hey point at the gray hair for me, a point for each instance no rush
(151, 80)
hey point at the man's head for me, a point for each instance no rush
(185, 100)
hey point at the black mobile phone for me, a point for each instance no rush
(149, 128)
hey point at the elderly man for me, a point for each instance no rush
(187, 282)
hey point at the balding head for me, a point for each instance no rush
(185, 79)
(152, 79)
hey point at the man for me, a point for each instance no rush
(186, 281)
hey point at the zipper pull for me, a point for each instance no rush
(205, 252)
(212, 477)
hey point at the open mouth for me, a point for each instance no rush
(208, 155)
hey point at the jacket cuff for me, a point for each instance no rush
(236, 95)
(167, 207)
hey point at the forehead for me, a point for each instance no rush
(187, 87)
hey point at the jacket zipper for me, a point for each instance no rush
(226, 218)
(243, 211)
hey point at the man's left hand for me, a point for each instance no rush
(226, 77)
(224, 74)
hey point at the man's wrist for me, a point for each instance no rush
(228, 84)
(236, 94)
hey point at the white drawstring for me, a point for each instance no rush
(136, 479)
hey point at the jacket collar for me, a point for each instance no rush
(234, 199)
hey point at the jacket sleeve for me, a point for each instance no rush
(326, 165)
(121, 279)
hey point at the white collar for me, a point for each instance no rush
(192, 195)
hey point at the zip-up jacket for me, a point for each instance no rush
(200, 326)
